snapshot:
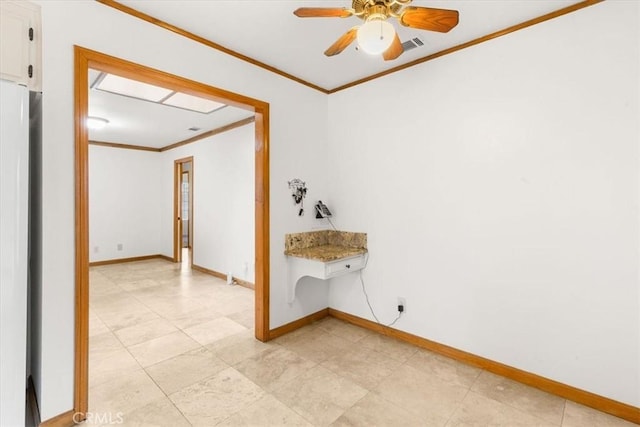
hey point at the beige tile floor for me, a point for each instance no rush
(171, 347)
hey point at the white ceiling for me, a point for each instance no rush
(267, 30)
(136, 122)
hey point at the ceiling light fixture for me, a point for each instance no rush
(133, 88)
(139, 90)
(96, 123)
(376, 36)
(193, 103)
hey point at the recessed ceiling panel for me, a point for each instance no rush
(133, 88)
(137, 122)
(189, 102)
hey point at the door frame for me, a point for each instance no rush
(190, 175)
(177, 208)
(84, 59)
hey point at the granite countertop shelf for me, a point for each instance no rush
(325, 245)
(322, 254)
(326, 253)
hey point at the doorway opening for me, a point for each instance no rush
(183, 212)
(86, 59)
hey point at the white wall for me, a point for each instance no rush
(223, 201)
(499, 188)
(131, 202)
(298, 149)
(124, 203)
(508, 174)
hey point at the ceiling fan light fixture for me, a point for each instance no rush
(375, 36)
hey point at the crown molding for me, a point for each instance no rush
(148, 18)
(141, 15)
(209, 133)
(123, 146)
(474, 42)
(191, 140)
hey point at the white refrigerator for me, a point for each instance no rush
(14, 222)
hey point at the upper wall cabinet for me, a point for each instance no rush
(20, 43)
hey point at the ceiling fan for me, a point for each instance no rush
(377, 35)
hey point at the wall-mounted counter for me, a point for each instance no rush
(323, 255)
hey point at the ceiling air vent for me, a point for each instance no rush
(194, 129)
(412, 44)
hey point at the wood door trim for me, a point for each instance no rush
(189, 246)
(81, 106)
(85, 59)
(190, 176)
(191, 211)
(262, 221)
(177, 196)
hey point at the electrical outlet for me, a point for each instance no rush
(402, 302)
(119, 246)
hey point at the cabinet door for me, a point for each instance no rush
(20, 43)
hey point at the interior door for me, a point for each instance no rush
(185, 214)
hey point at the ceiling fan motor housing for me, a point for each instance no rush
(374, 9)
(376, 13)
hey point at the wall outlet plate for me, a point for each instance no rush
(403, 303)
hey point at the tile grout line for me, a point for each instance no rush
(144, 369)
(564, 410)
(332, 331)
(512, 406)
(459, 406)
